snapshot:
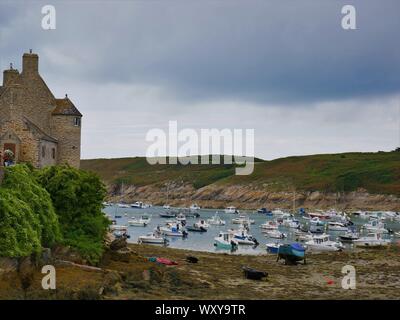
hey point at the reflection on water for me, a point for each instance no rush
(204, 241)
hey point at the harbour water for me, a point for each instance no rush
(205, 241)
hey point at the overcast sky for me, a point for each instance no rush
(284, 68)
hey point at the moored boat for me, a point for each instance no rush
(372, 240)
(231, 210)
(275, 234)
(216, 221)
(152, 238)
(322, 242)
(225, 240)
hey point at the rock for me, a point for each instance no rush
(8, 264)
(118, 244)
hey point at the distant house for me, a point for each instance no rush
(34, 125)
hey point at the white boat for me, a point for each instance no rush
(269, 225)
(173, 231)
(243, 219)
(201, 224)
(243, 237)
(194, 207)
(140, 205)
(375, 226)
(371, 240)
(278, 213)
(275, 234)
(181, 217)
(166, 206)
(349, 236)
(123, 205)
(291, 223)
(273, 247)
(152, 238)
(336, 226)
(317, 225)
(304, 237)
(323, 243)
(140, 222)
(231, 210)
(225, 240)
(216, 221)
(397, 234)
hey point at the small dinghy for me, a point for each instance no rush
(254, 274)
(167, 215)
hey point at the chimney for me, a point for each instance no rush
(30, 63)
(9, 75)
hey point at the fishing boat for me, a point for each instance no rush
(292, 253)
(195, 228)
(316, 225)
(275, 234)
(202, 224)
(139, 222)
(243, 237)
(349, 236)
(140, 205)
(243, 219)
(291, 223)
(173, 231)
(181, 217)
(167, 214)
(323, 243)
(216, 221)
(225, 240)
(254, 274)
(269, 225)
(194, 207)
(152, 238)
(372, 240)
(273, 247)
(337, 226)
(231, 210)
(375, 226)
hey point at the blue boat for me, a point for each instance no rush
(273, 247)
(292, 253)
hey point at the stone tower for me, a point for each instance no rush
(34, 125)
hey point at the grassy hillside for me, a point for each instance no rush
(376, 172)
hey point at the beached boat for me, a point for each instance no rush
(216, 221)
(273, 247)
(372, 240)
(225, 240)
(275, 234)
(292, 253)
(323, 243)
(231, 210)
(269, 225)
(152, 238)
(337, 226)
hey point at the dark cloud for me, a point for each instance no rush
(282, 52)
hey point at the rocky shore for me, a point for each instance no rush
(125, 272)
(252, 197)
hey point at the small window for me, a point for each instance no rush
(53, 153)
(77, 122)
(43, 151)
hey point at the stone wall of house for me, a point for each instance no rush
(69, 139)
(47, 153)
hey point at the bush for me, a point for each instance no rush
(27, 217)
(77, 197)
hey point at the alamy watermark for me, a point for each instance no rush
(183, 146)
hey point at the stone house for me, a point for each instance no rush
(34, 125)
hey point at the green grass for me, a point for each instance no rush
(376, 172)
